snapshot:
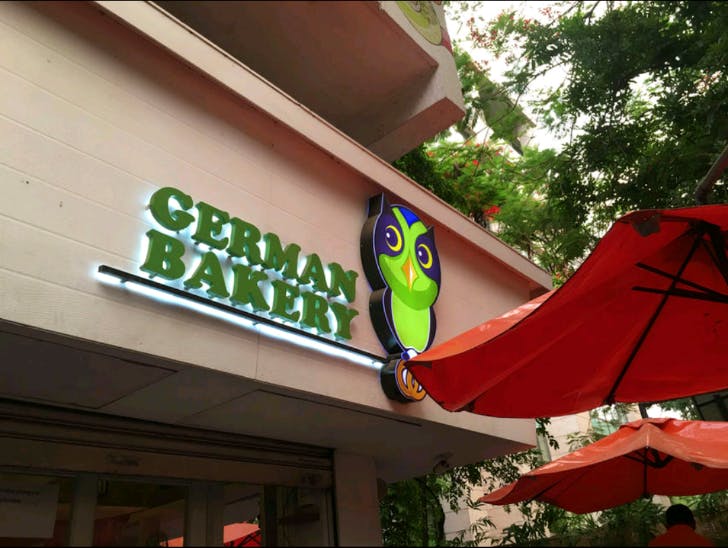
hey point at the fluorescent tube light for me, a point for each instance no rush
(265, 326)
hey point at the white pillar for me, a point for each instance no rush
(357, 504)
(83, 508)
(215, 509)
(196, 515)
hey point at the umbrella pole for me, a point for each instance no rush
(714, 173)
(698, 238)
(720, 259)
(644, 474)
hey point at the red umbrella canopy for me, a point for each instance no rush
(251, 539)
(644, 457)
(645, 318)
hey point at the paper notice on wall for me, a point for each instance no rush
(27, 509)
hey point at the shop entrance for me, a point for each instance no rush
(72, 474)
(84, 510)
(60, 484)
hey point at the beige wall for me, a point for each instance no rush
(94, 118)
(357, 503)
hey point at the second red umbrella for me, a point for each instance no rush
(645, 457)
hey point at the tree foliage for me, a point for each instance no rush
(411, 513)
(504, 193)
(639, 100)
(642, 100)
(641, 105)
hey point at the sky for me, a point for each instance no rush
(542, 138)
(490, 10)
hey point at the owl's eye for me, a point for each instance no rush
(424, 255)
(393, 237)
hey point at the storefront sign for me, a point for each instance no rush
(402, 267)
(232, 261)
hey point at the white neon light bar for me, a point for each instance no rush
(266, 327)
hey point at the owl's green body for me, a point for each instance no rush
(412, 291)
(413, 325)
(403, 268)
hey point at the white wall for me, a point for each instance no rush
(357, 503)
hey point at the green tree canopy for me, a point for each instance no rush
(642, 101)
(642, 107)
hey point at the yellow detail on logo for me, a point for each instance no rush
(393, 232)
(407, 384)
(424, 255)
(423, 17)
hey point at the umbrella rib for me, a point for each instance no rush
(661, 463)
(712, 296)
(699, 229)
(571, 480)
(657, 463)
(680, 280)
(636, 459)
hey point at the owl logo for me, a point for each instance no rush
(403, 269)
(423, 17)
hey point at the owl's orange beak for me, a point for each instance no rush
(409, 272)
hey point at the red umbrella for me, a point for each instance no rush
(644, 457)
(251, 539)
(643, 319)
(234, 534)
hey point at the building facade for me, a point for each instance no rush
(185, 342)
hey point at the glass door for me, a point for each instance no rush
(34, 509)
(134, 513)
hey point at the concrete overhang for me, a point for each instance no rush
(72, 373)
(374, 70)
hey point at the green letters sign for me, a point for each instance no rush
(245, 267)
